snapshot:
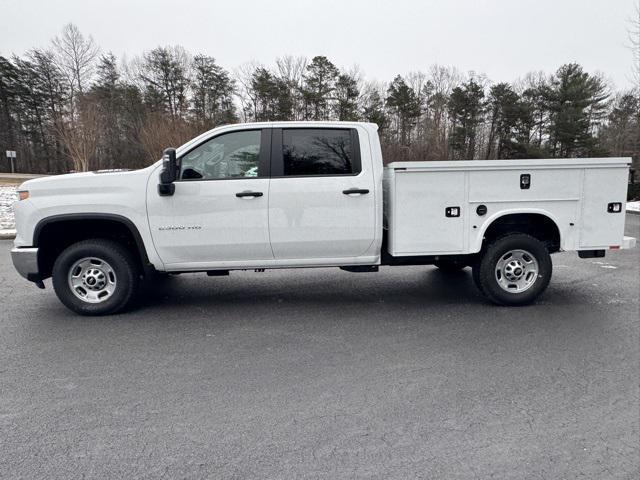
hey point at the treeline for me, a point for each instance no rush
(71, 107)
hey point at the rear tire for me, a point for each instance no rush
(95, 277)
(514, 270)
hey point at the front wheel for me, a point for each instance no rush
(514, 270)
(95, 277)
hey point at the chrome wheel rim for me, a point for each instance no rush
(516, 271)
(92, 280)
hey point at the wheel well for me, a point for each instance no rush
(535, 224)
(54, 235)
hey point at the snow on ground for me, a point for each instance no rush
(8, 195)
(633, 206)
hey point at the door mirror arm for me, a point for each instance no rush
(169, 173)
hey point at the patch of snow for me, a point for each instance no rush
(633, 206)
(8, 195)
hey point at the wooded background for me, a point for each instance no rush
(71, 107)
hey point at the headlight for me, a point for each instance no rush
(23, 194)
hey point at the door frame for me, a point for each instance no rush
(277, 157)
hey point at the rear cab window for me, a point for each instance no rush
(303, 152)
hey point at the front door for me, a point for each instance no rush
(322, 195)
(219, 211)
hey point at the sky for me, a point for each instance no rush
(503, 39)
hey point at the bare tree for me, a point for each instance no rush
(243, 75)
(159, 132)
(80, 134)
(634, 39)
(76, 55)
(290, 70)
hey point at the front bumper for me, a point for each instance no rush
(25, 260)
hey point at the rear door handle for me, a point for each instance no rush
(248, 194)
(352, 191)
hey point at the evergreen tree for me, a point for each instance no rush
(213, 90)
(373, 110)
(346, 95)
(577, 103)
(164, 73)
(405, 105)
(465, 107)
(319, 84)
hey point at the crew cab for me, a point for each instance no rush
(313, 194)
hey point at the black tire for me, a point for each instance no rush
(121, 262)
(486, 277)
(475, 274)
(450, 265)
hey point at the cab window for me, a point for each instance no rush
(319, 151)
(230, 155)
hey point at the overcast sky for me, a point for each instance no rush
(501, 38)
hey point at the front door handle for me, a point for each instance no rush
(248, 194)
(352, 191)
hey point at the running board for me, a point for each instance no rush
(360, 268)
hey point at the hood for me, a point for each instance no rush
(112, 180)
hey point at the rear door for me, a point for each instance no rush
(321, 196)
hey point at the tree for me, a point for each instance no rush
(76, 57)
(634, 45)
(373, 108)
(346, 95)
(465, 110)
(510, 123)
(319, 84)
(8, 107)
(621, 136)
(577, 102)
(290, 71)
(213, 91)
(164, 72)
(80, 134)
(405, 105)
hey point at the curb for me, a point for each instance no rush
(633, 212)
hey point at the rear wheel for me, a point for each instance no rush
(514, 270)
(95, 277)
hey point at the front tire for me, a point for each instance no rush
(514, 270)
(95, 277)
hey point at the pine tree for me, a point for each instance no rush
(577, 103)
(405, 104)
(213, 89)
(319, 84)
(465, 111)
(346, 95)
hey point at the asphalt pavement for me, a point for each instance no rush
(320, 373)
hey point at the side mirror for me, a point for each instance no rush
(169, 174)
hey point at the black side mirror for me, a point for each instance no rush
(169, 174)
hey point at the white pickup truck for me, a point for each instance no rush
(313, 194)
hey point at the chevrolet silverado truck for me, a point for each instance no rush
(313, 194)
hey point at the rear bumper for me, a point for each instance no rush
(628, 242)
(25, 260)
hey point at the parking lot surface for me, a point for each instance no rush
(320, 373)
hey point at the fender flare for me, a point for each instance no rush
(477, 246)
(112, 217)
